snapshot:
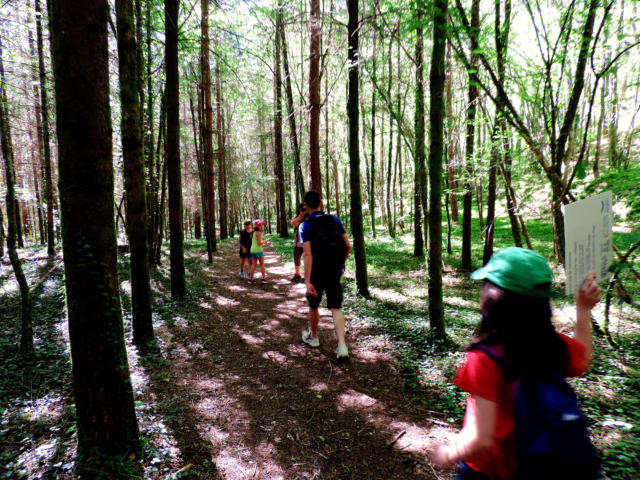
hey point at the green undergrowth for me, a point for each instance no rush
(398, 311)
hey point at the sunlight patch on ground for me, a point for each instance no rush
(209, 384)
(410, 437)
(377, 350)
(225, 301)
(274, 356)
(180, 321)
(125, 287)
(352, 399)
(459, 302)
(387, 295)
(32, 459)
(419, 293)
(248, 338)
(236, 288)
(238, 463)
(9, 287)
(47, 408)
(319, 387)
(205, 305)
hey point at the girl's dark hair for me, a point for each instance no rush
(523, 326)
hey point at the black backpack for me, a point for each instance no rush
(551, 432)
(327, 246)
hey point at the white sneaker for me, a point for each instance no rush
(309, 340)
(342, 352)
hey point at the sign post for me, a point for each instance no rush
(587, 239)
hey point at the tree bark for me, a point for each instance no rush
(372, 165)
(277, 132)
(451, 148)
(222, 154)
(471, 119)
(134, 181)
(2, 234)
(150, 143)
(314, 97)
(419, 149)
(44, 110)
(26, 336)
(436, 155)
(390, 197)
(293, 132)
(491, 197)
(102, 387)
(207, 140)
(353, 61)
(174, 174)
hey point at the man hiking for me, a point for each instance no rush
(325, 248)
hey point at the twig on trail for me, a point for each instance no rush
(432, 470)
(182, 470)
(310, 418)
(330, 371)
(398, 437)
(323, 456)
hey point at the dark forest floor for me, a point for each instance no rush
(233, 392)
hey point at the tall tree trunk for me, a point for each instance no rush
(44, 110)
(26, 336)
(37, 158)
(436, 155)
(134, 181)
(277, 132)
(398, 143)
(596, 160)
(353, 60)
(222, 154)
(293, 132)
(372, 175)
(151, 179)
(389, 196)
(207, 141)
(471, 121)
(314, 97)
(174, 174)
(451, 148)
(491, 198)
(102, 387)
(419, 127)
(157, 184)
(559, 152)
(2, 234)
(36, 186)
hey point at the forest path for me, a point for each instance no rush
(248, 400)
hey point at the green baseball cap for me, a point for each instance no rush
(520, 271)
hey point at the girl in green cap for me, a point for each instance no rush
(516, 326)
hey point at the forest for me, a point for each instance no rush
(140, 136)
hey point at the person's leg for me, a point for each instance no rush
(262, 269)
(297, 261)
(338, 322)
(252, 267)
(310, 336)
(314, 319)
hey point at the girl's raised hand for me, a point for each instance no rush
(589, 294)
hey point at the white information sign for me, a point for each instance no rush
(587, 239)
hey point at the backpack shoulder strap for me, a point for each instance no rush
(492, 353)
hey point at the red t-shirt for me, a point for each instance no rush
(482, 376)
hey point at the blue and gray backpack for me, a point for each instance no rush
(551, 431)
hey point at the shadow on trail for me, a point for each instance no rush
(251, 398)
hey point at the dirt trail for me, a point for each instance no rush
(251, 401)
